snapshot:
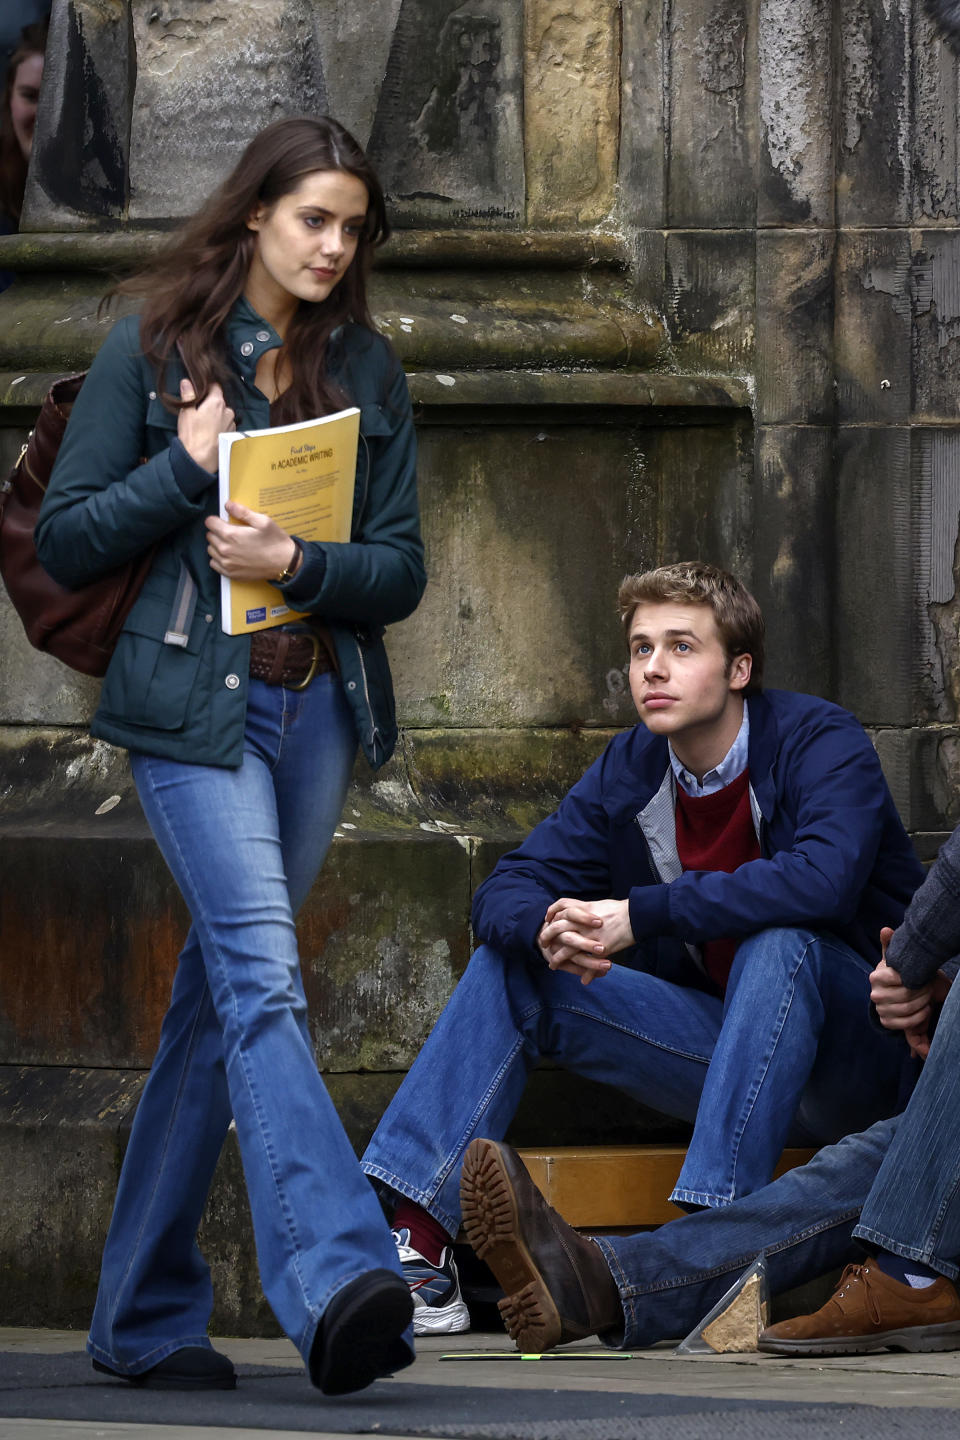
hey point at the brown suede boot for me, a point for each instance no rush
(871, 1311)
(558, 1287)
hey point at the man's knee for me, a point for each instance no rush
(782, 952)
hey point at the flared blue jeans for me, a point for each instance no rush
(244, 847)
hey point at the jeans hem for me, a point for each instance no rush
(702, 1198)
(150, 1359)
(402, 1190)
(906, 1252)
(614, 1339)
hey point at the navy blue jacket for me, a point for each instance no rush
(835, 856)
(104, 506)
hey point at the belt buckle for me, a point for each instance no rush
(314, 664)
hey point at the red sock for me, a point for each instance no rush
(426, 1234)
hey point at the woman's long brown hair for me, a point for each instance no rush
(191, 287)
(13, 165)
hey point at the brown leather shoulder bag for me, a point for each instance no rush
(80, 627)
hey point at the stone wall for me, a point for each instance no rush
(669, 280)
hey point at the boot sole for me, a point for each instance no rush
(362, 1340)
(491, 1223)
(148, 1380)
(917, 1339)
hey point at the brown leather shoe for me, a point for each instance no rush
(871, 1311)
(558, 1285)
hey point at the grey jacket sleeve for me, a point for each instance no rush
(930, 933)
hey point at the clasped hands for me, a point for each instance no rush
(256, 549)
(900, 1008)
(579, 936)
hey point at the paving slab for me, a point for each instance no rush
(48, 1391)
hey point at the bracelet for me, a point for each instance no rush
(290, 570)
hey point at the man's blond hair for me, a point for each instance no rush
(693, 582)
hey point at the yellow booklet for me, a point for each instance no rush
(302, 476)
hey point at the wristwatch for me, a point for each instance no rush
(290, 570)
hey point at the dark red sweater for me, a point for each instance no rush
(715, 832)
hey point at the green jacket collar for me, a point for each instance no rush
(248, 336)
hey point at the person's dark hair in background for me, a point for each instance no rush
(18, 115)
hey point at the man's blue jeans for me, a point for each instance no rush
(244, 847)
(789, 1056)
(904, 1173)
(913, 1208)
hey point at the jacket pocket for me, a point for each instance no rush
(148, 682)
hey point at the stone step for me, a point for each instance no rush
(617, 1187)
(63, 1132)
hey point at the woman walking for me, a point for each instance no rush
(241, 751)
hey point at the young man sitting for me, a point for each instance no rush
(893, 1192)
(738, 853)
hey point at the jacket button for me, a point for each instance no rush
(208, 618)
(263, 335)
(152, 395)
(246, 348)
(232, 682)
(351, 684)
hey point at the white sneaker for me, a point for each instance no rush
(438, 1306)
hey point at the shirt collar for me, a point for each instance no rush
(732, 765)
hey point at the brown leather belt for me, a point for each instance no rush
(288, 657)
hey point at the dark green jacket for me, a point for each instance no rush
(123, 482)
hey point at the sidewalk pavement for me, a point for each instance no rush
(48, 1391)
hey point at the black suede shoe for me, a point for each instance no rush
(360, 1337)
(558, 1287)
(195, 1367)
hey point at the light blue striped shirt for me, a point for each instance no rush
(733, 764)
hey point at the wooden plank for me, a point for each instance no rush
(617, 1186)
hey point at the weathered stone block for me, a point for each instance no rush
(706, 504)
(231, 66)
(710, 295)
(569, 508)
(795, 151)
(792, 569)
(648, 268)
(935, 283)
(448, 134)
(51, 328)
(643, 154)
(60, 1157)
(36, 689)
(934, 137)
(873, 326)
(79, 175)
(874, 132)
(923, 771)
(711, 100)
(383, 938)
(795, 327)
(90, 928)
(496, 783)
(355, 44)
(62, 1138)
(875, 606)
(935, 507)
(571, 116)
